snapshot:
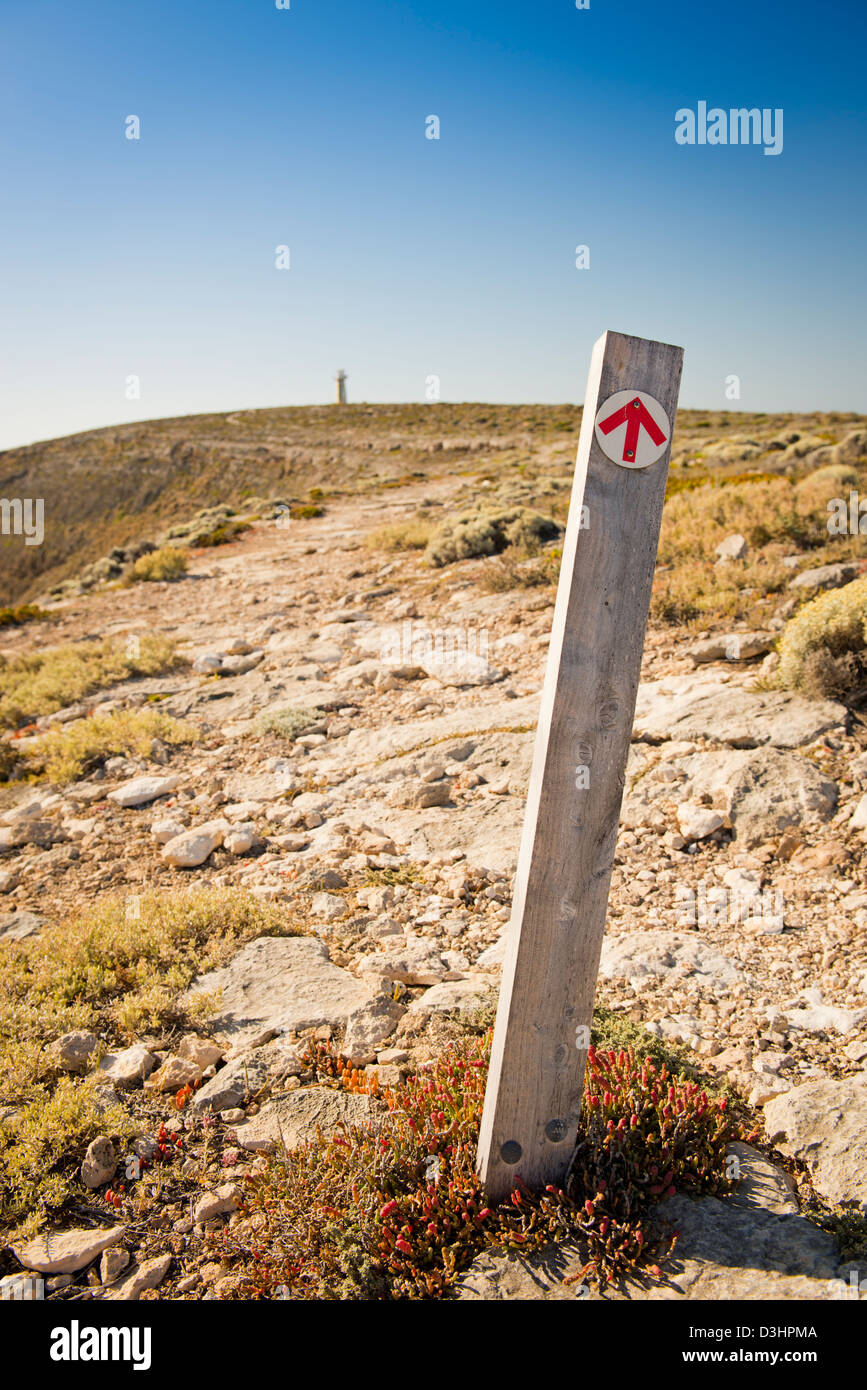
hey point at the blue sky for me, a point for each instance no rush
(413, 257)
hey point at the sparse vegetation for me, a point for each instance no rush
(66, 753)
(116, 970)
(488, 533)
(288, 722)
(823, 649)
(512, 572)
(394, 1210)
(47, 680)
(24, 613)
(403, 535)
(167, 563)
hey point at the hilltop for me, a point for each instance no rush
(110, 487)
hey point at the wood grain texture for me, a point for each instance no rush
(555, 934)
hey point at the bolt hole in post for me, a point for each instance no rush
(570, 824)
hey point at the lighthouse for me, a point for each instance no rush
(340, 382)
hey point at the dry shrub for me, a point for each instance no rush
(823, 649)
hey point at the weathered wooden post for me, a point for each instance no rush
(542, 1032)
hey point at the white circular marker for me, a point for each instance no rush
(632, 429)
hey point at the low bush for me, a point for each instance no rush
(489, 533)
(47, 680)
(288, 722)
(823, 648)
(167, 563)
(394, 1210)
(66, 753)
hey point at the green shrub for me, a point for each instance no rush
(44, 681)
(489, 533)
(288, 722)
(823, 649)
(167, 563)
(65, 754)
(24, 613)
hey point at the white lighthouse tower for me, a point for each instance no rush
(340, 381)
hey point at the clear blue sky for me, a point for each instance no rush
(409, 256)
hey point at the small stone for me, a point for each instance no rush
(174, 1073)
(240, 839)
(369, 1026)
(73, 1051)
(421, 795)
(100, 1162)
(192, 847)
(211, 1204)
(166, 829)
(327, 905)
(141, 790)
(130, 1067)
(65, 1252)
(734, 547)
(203, 1051)
(235, 1115)
(148, 1275)
(112, 1263)
(697, 822)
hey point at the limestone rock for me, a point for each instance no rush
(824, 1122)
(100, 1162)
(708, 706)
(203, 1051)
(246, 1075)
(417, 962)
(825, 577)
(328, 905)
(130, 1067)
(192, 847)
(455, 996)
(734, 547)
(697, 822)
(293, 1118)
(241, 838)
(211, 1204)
(148, 1275)
(65, 1252)
(73, 1051)
(667, 954)
(141, 790)
(167, 829)
(112, 1264)
(283, 983)
(731, 646)
(459, 670)
(17, 926)
(762, 790)
(175, 1073)
(369, 1026)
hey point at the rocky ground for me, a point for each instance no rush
(391, 823)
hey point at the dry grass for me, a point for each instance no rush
(823, 649)
(403, 535)
(116, 970)
(165, 564)
(65, 754)
(45, 681)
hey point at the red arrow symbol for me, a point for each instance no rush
(633, 415)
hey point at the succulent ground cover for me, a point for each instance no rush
(394, 1209)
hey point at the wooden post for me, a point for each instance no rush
(533, 1096)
